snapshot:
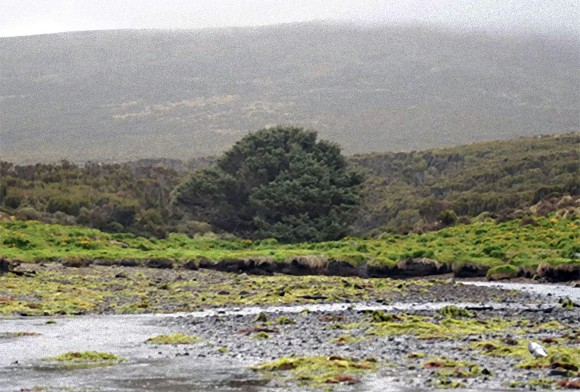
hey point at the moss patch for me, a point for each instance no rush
(318, 370)
(451, 368)
(452, 311)
(546, 383)
(57, 290)
(284, 320)
(347, 339)
(176, 338)
(261, 335)
(85, 359)
(430, 328)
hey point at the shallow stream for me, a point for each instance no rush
(177, 370)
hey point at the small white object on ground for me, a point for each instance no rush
(536, 350)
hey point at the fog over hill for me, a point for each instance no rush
(122, 95)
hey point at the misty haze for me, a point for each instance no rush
(354, 196)
(123, 95)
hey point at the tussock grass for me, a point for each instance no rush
(504, 246)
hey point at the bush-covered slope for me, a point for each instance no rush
(108, 197)
(404, 191)
(429, 188)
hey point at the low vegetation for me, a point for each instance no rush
(512, 245)
(52, 289)
(426, 327)
(455, 312)
(318, 370)
(561, 356)
(176, 338)
(84, 359)
(8, 335)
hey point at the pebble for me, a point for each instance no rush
(311, 336)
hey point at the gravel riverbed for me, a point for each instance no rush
(348, 330)
(407, 336)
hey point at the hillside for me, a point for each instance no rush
(413, 190)
(126, 95)
(404, 191)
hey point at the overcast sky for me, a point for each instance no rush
(28, 17)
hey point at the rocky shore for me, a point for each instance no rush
(480, 347)
(298, 333)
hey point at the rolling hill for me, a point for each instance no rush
(126, 95)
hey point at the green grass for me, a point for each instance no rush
(552, 241)
(114, 289)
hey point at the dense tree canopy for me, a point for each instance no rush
(277, 182)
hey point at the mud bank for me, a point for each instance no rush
(318, 265)
(404, 268)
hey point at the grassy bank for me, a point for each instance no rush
(548, 240)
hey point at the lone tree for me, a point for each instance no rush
(276, 183)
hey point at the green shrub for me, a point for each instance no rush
(276, 183)
(13, 201)
(27, 213)
(572, 253)
(17, 242)
(495, 251)
(63, 204)
(448, 217)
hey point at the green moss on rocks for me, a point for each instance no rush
(427, 328)
(84, 359)
(452, 311)
(261, 318)
(84, 356)
(176, 338)
(17, 334)
(347, 339)
(262, 335)
(284, 320)
(318, 370)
